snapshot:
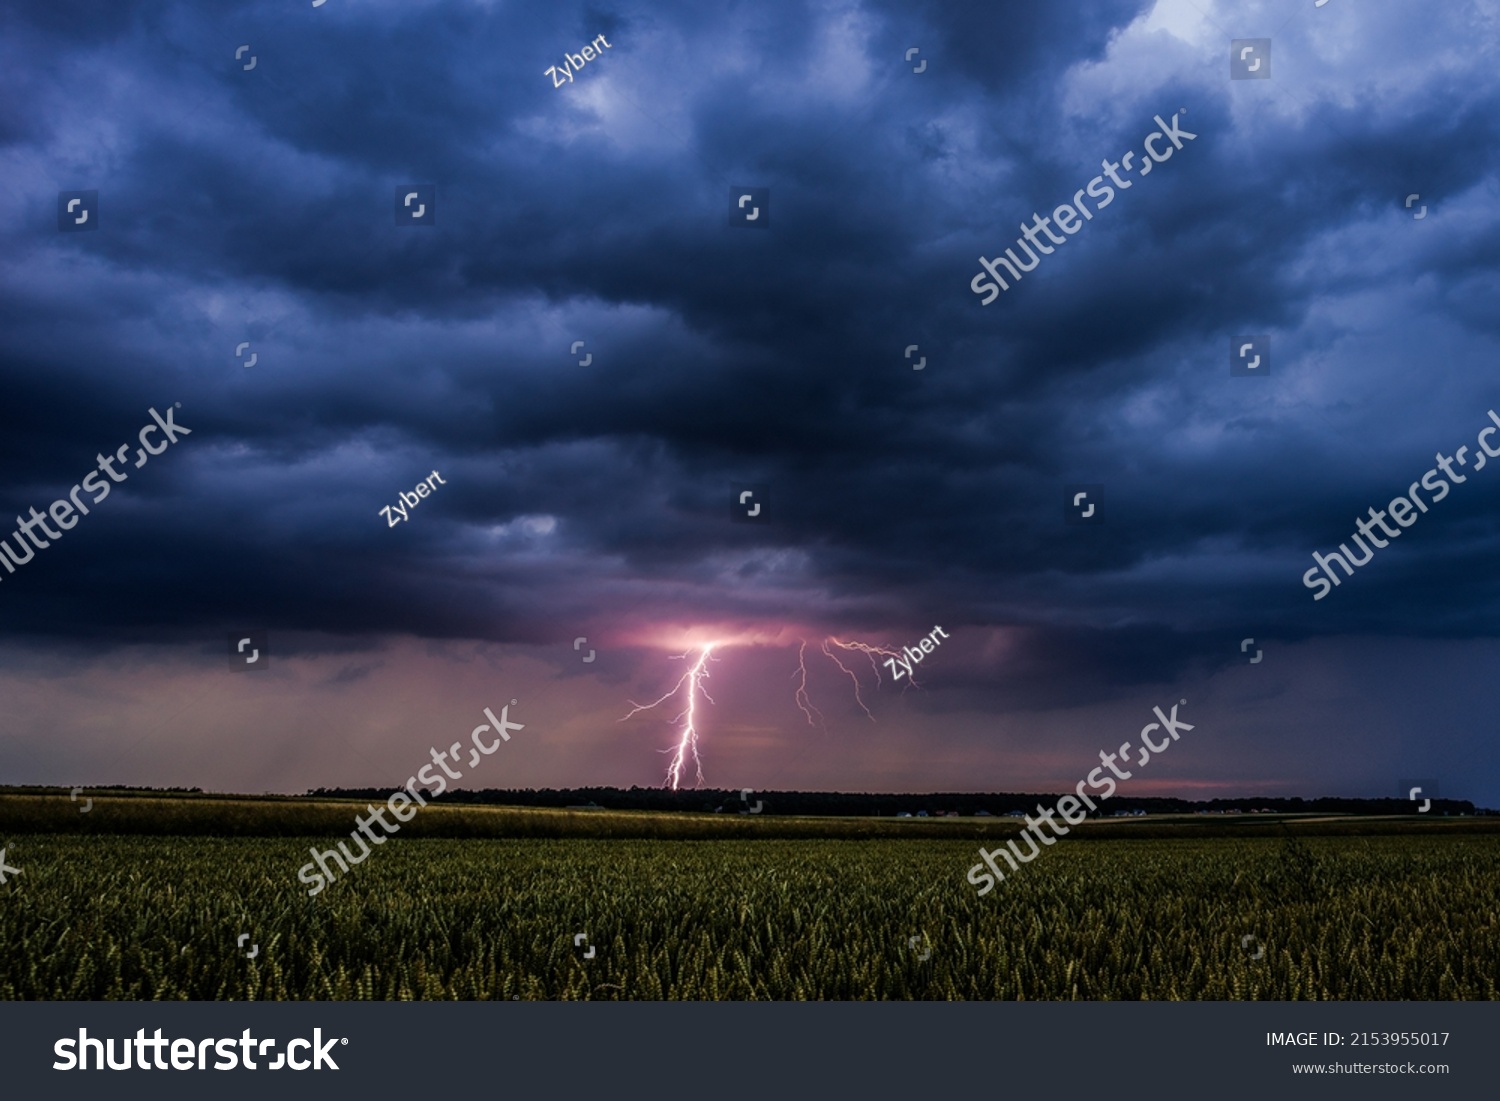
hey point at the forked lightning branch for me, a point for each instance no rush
(690, 688)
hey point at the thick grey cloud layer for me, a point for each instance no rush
(258, 206)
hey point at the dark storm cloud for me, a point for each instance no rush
(259, 206)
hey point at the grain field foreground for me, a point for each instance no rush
(1343, 918)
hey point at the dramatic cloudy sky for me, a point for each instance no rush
(593, 500)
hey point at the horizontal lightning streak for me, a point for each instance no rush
(870, 652)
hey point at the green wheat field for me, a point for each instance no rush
(704, 907)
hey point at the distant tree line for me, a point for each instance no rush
(730, 801)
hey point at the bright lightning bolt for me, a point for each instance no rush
(690, 684)
(687, 743)
(804, 701)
